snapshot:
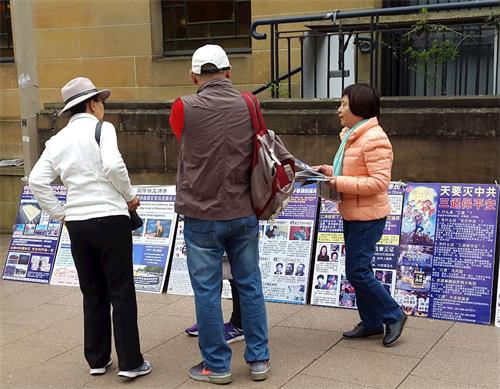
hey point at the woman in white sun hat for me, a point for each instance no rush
(96, 213)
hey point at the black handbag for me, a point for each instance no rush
(135, 219)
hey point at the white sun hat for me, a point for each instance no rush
(80, 89)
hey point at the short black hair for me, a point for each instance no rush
(364, 100)
(320, 276)
(81, 107)
(210, 68)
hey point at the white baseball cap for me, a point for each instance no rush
(213, 54)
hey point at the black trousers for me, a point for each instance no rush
(236, 314)
(102, 251)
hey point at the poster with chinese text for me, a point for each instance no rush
(34, 240)
(446, 264)
(153, 241)
(330, 284)
(285, 248)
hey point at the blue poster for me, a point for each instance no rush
(447, 256)
(34, 240)
(153, 241)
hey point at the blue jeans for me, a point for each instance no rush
(375, 305)
(206, 241)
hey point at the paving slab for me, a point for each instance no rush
(467, 367)
(162, 327)
(292, 350)
(20, 356)
(475, 337)
(416, 382)
(324, 318)
(62, 374)
(44, 315)
(362, 367)
(11, 332)
(304, 381)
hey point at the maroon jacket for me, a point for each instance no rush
(216, 135)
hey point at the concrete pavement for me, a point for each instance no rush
(41, 337)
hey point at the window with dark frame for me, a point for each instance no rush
(190, 24)
(6, 43)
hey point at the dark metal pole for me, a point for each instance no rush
(328, 36)
(272, 60)
(289, 69)
(277, 62)
(301, 39)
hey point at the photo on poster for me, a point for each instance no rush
(54, 229)
(29, 213)
(331, 282)
(387, 278)
(329, 252)
(413, 303)
(419, 215)
(278, 271)
(415, 255)
(289, 269)
(158, 228)
(276, 231)
(299, 270)
(300, 233)
(320, 282)
(347, 297)
(414, 278)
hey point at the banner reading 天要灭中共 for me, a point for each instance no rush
(447, 258)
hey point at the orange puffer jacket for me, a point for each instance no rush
(366, 173)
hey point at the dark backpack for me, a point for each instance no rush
(273, 167)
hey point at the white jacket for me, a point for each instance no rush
(96, 178)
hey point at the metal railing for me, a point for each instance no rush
(384, 54)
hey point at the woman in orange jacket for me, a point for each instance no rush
(361, 173)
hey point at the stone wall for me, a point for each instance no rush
(434, 139)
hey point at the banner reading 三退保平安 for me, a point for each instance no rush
(447, 256)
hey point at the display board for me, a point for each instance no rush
(330, 286)
(34, 240)
(152, 242)
(497, 320)
(285, 247)
(446, 265)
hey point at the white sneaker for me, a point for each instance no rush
(101, 370)
(144, 369)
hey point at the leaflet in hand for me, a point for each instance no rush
(308, 173)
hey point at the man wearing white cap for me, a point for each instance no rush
(213, 193)
(96, 213)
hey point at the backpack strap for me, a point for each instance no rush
(98, 127)
(255, 112)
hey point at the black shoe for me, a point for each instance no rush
(393, 331)
(360, 331)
